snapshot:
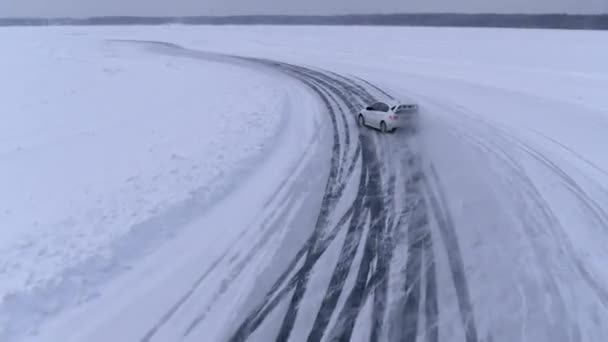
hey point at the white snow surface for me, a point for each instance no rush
(99, 140)
(514, 123)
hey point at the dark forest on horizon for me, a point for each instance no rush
(554, 21)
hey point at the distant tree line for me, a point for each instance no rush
(555, 21)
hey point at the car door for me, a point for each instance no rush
(382, 113)
(374, 115)
(366, 112)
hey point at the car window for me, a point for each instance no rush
(381, 107)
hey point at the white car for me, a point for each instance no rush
(388, 116)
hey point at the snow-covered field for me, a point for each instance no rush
(155, 193)
(104, 150)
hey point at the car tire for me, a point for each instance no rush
(383, 128)
(361, 120)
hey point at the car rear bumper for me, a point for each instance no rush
(392, 126)
(408, 121)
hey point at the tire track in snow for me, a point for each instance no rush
(356, 298)
(362, 288)
(385, 246)
(343, 265)
(332, 193)
(352, 149)
(343, 95)
(418, 186)
(290, 317)
(313, 250)
(417, 232)
(452, 247)
(497, 145)
(420, 269)
(342, 268)
(420, 288)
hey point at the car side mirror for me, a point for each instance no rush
(368, 108)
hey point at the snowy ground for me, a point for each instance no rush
(494, 214)
(100, 145)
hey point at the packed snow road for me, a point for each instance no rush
(390, 202)
(367, 267)
(384, 262)
(382, 259)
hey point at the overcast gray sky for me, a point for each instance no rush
(83, 8)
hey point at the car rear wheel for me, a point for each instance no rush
(383, 128)
(361, 120)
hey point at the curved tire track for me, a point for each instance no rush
(371, 218)
(378, 245)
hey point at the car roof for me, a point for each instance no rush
(393, 103)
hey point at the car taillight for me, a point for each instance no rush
(393, 117)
